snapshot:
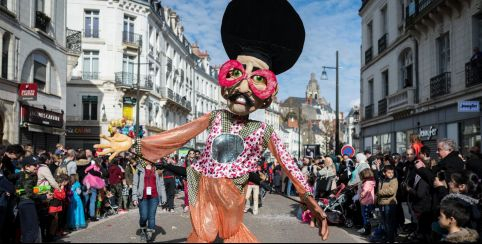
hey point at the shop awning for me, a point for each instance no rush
(46, 129)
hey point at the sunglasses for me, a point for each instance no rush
(262, 82)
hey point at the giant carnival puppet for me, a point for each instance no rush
(263, 38)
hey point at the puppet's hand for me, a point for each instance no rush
(320, 216)
(117, 144)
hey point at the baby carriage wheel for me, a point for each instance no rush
(349, 223)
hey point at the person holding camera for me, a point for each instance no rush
(147, 188)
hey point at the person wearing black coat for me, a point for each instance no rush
(474, 161)
(421, 199)
(450, 160)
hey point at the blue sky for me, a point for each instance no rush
(330, 25)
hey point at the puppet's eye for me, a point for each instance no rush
(259, 80)
(234, 74)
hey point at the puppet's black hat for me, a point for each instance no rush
(270, 30)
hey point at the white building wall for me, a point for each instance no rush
(18, 21)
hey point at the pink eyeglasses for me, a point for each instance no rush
(232, 72)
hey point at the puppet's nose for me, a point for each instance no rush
(243, 86)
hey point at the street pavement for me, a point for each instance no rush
(276, 222)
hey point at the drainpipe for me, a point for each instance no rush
(416, 70)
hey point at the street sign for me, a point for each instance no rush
(348, 150)
(469, 106)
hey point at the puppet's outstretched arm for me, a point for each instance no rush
(297, 178)
(157, 146)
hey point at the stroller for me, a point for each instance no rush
(339, 207)
(109, 207)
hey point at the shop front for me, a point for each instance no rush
(82, 136)
(41, 128)
(394, 136)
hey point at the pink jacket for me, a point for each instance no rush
(368, 192)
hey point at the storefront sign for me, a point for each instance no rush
(129, 100)
(42, 117)
(83, 131)
(27, 92)
(429, 133)
(469, 106)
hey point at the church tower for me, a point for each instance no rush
(313, 89)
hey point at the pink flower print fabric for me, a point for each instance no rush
(246, 162)
(288, 161)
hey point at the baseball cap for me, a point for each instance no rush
(30, 160)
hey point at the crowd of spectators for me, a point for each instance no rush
(404, 197)
(46, 195)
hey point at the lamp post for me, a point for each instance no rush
(337, 123)
(138, 87)
(299, 132)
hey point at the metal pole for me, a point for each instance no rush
(138, 87)
(337, 133)
(299, 132)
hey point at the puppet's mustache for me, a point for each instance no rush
(249, 101)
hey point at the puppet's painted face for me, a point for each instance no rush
(247, 84)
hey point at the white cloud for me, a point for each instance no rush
(330, 25)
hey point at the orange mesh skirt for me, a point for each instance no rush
(218, 211)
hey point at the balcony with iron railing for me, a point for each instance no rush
(473, 73)
(42, 21)
(416, 10)
(369, 111)
(368, 55)
(382, 107)
(382, 43)
(129, 80)
(73, 41)
(175, 98)
(440, 85)
(401, 100)
(132, 39)
(88, 75)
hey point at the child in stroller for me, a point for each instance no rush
(339, 207)
(109, 207)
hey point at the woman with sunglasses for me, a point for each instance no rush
(259, 46)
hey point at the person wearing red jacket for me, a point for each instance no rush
(115, 181)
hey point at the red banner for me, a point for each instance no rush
(27, 91)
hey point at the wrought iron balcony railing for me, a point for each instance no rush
(440, 85)
(368, 55)
(382, 107)
(175, 98)
(369, 111)
(129, 80)
(87, 75)
(382, 43)
(417, 9)
(131, 38)
(73, 41)
(473, 73)
(42, 21)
